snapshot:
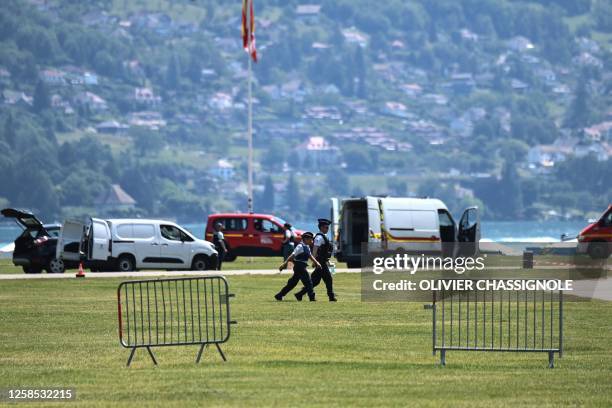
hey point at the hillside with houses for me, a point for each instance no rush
(139, 107)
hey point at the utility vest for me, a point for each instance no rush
(326, 250)
(304, 256)
(217, 241)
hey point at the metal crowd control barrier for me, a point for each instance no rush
(501, 321)
(174, 312)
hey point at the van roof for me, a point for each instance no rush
(412, 203)
(421, 204)
(244, 215)
(139, 221)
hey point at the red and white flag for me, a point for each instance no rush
(248, 28)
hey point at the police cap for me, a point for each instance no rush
(324, 221)
(308, 234)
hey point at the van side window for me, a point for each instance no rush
(233, 224)
(607, 220)
(266, 226)
(124, 231)
(445, 219)
(170, 232)
(469, 220)
(185, 237)
(143, 231)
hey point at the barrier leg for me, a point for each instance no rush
(221, 352)
(131, 356)
(442, 357)
(152, 356)
(202, 347)
(551, 359)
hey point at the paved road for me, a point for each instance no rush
(140, 274)
(596, 289)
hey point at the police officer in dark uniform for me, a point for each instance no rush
(322, 251)
(220, 245)
(300, 256)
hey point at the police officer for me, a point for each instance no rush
(220, 245)
(300, 256)
(322, 251)
(288, 241)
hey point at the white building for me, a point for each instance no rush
(316, 152)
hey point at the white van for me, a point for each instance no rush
(422, 224)
(131, 244)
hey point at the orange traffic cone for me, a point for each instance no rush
(81, 273)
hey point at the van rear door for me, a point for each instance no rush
(373, 219)
(468, 236)
(99, 240)
(410, 229)
(69, 241)
(334, 218)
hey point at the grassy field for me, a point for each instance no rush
(64, 333)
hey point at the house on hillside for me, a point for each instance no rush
(317, 152)
(354, 36)
(308, 12)
(52, 76)
(146, 96)
(115, 199)
(111, 126)
(599, 132)
(17, 98)
(91, 101)
(151, 120)
(520, 44)
(223, 170)
(547, 155)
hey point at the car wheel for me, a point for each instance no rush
(125, 263)
(200, 263)
(56, 265)
(31, 269)
(598, 250)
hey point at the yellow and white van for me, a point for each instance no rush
(422, 224)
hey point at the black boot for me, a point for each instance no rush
(312, 298)
(332, 298)
(298, 296)
(278, 297)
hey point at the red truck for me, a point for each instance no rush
(596, 238)
(250, 234)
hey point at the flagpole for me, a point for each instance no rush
(250, 138)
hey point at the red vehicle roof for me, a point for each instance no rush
(246, 215)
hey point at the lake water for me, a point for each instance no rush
(498, 231)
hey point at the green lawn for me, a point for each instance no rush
(64, 333)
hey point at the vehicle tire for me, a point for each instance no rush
(31, 269)
(126, 263)
(353, 264)
(200, 263)
(230, 257)
(56, 265)
(598, 250)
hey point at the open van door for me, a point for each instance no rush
(468, 236)
(374, 220)
(98, 240)
(69, 241)
(334, 218)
